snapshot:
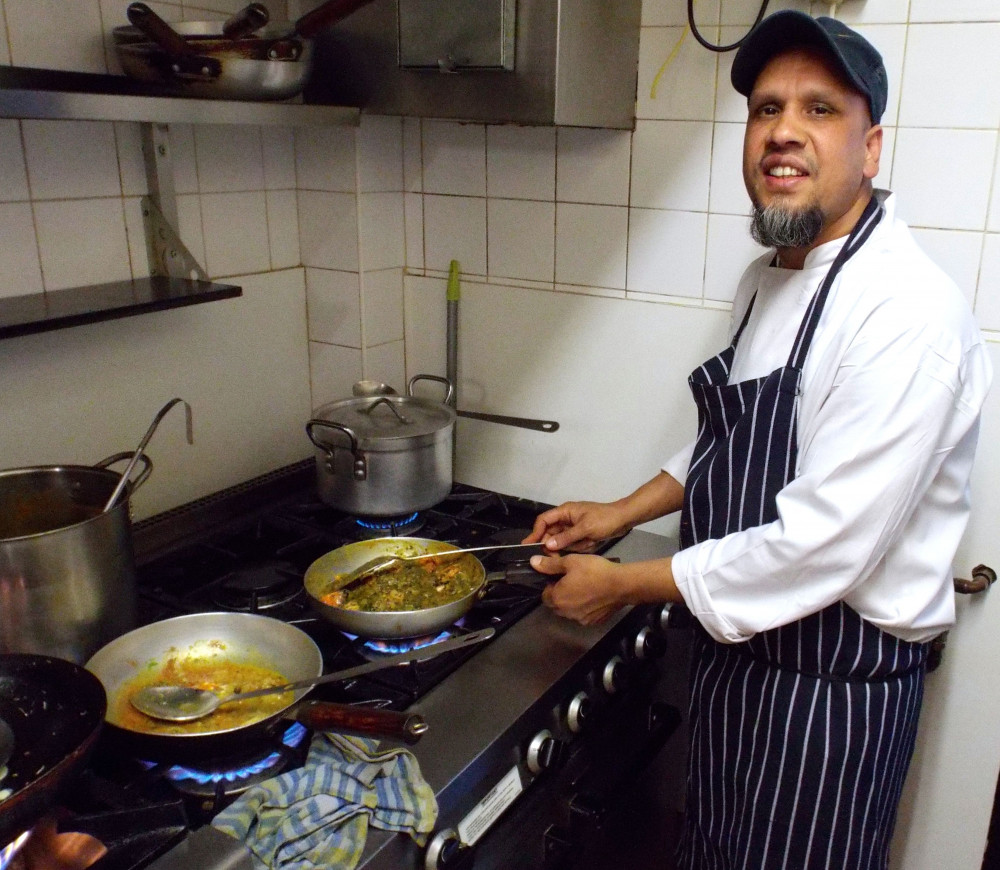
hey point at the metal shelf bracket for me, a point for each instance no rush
(168, 256)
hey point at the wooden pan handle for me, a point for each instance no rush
(362, 721)
(144, 18)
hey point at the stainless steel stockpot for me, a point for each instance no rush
(385, 455)
(67, 567)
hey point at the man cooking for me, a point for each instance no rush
(825, 494)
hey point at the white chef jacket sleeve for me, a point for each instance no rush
(896, 410)
(677, 465)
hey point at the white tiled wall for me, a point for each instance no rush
(659, 212)
(597, 265)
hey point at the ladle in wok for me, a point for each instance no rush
(184, 704)
(373, 567)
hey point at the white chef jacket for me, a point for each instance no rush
(888, 419)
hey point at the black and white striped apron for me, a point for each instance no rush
(800, 737)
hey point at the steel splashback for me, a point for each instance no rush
(567, 62)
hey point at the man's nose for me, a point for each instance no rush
(785, 129)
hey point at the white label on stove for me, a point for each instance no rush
(476, 823)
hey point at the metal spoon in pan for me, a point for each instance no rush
(184, 704)
(366, 571)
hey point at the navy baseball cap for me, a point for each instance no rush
(858, 60)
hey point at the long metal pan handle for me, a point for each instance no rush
(520, 422)
(379, 664)
(325, 15)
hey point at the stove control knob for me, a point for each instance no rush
(578, 711)
(442, 850)
(613, 675)
(649, 644)
(674, 616)
(544, 751)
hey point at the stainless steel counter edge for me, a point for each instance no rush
(521, 666)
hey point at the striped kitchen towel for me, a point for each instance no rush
(318, 816)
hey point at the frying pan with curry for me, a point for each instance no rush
(410, 600)
(223, 651)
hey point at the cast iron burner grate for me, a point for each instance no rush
(257, 586)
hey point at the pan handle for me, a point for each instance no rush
(520, 422)
(325, 15)
(360, 720)
(141, 16)
(144, 472)
(182, 58)
(447, 397)
(244, 22)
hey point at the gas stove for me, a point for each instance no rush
(534, 736)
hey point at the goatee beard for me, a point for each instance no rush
(775, 227)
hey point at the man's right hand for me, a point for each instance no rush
(577, 526)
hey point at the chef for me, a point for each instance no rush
(825, 494)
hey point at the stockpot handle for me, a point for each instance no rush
(440, 380)
(140, 478)
(360, 463)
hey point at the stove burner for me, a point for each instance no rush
(258, 585)
(367, 528)
(235, 778)
(375, 648)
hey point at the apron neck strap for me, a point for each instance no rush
(858, 236)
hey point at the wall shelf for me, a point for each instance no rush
(177, 280)
(58, 309)
(26, 92)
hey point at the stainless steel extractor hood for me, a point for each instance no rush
(564, 62)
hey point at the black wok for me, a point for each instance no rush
(198, 59)
(244, 638)
(56, 711)
(320, 579)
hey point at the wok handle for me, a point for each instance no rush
(363, 721)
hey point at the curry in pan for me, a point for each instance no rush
(409, 586)
(225, 678)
